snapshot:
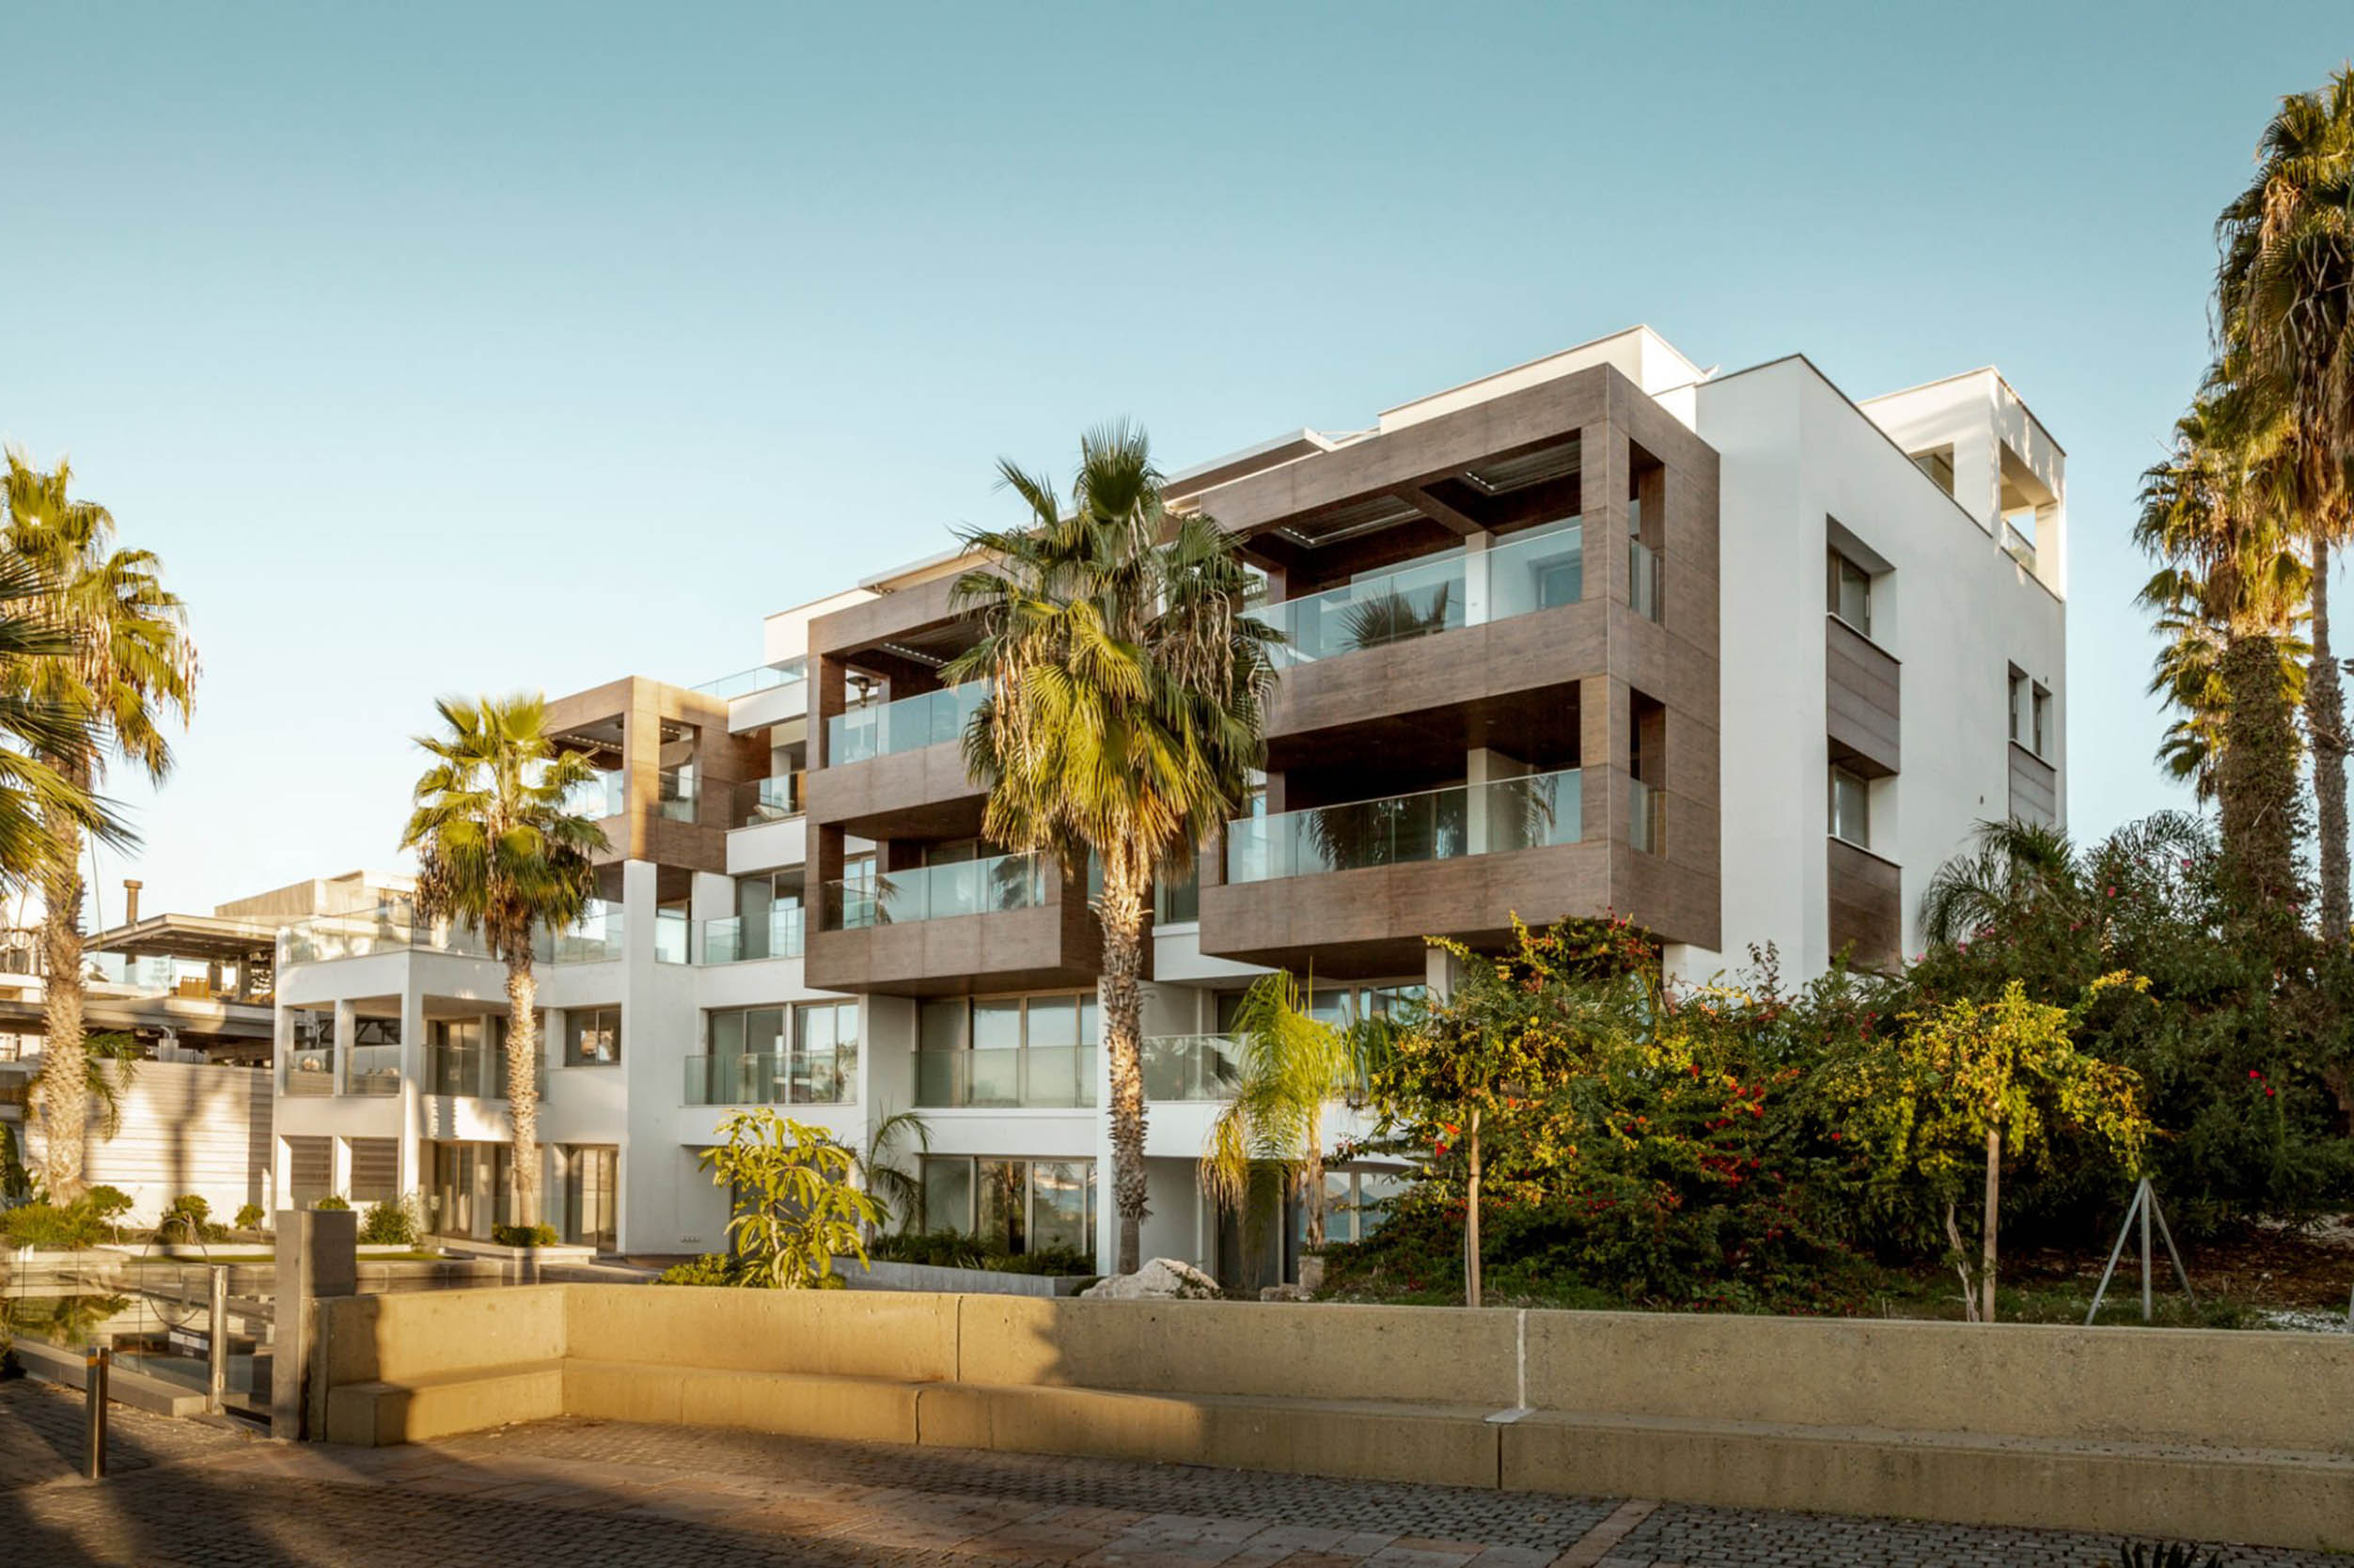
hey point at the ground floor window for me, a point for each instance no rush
(1013, 1205)
(591, 1194)
(1356, 1202)
(471, 1189)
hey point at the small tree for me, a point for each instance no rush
(1958, 1081)
(1292, 1065)
(796, 1207)
(1501, 1061)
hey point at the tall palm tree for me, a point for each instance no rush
(1124, 715)
(34, 725)
(132, 669)
(2187, 672)
(2285, 294)
(498, 850)
(2213, 517)
(1292, 1065)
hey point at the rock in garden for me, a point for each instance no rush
(1162, 1280)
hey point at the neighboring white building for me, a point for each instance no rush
(1728, 653)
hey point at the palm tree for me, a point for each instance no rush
(35, 725)
(2211, 514)
(1125, 714)
(498, 850)
(2016, 868)
(2286, 301)
(132, 667)
(898, 1193)
(2187, 674)
(1293, 1064)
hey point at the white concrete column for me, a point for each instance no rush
(1106, 1208)
(638, 1182)
(1478, 595)
(346, 1030)
(712, 897)
(407, 1177)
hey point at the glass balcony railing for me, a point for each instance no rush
(372, 1069)
(310, 1072)
(1539, 570)
(331, 936)
(797, 1078)
(767, 800)
(1189, 1067)
(737, 940)
(1647, 817)
(605, 795)
(759, 677)
(674, 794)
(989, 887)
(886, 728)
(596, 938)
(475, 1072)
(1037, 1076)
(673, 934)
(1496, 818)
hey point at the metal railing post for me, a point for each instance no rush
(95, 1361)
(216, 1346)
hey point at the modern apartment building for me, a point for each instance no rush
(1728, 653)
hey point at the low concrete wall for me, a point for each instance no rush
(2245, 1437)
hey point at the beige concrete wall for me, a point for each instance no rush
(1409, 1355)
(907, 1338)
(2194, 1386)
(2223, 1435)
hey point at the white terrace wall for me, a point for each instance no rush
(187, 1127)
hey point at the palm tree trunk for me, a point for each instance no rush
(1120, 998)
(2256, 780)
(522, 1088)
(64, 1087)
(1994, 1191)
(2324, 721)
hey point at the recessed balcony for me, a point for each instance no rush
(1008, 921)
(1351, 890)
(738, 940)
(1543, 569)
(991, 885)
(1039, 1077)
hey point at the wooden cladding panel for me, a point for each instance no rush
(1867, 916)
(2034, 787)
(1861, 698)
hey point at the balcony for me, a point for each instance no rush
(310, 1072)
(1522, 572)
(372, 1069)
(737, 940)
(1496, 818)
(910, 724)
(1189, 1067)
(988, 887)
(774, 1078)
(775, 799)
(675, 792)
(475, 1071)
(1048, 1077)
(1647, 818)
(759, 677)
(326, 937)
(1468, 859)
(605, 795)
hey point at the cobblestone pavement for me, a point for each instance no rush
(577, 1492)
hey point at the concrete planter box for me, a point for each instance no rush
(882, 1276)
(198, 1254)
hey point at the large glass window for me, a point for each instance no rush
(590, 1195)
(1851, 593)
(1851, 809)
(1013, 1205)
(825, 1054)
(1008, 1051)
(592, 1037)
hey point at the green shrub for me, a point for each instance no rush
(52, 1228)
(108, 1203)
(332, 1201)
(931, 1248)
(389, 1224)
(711, 1268)
(526, 1235)
(188, 1218)
(249, 1217)
(1054, 1261)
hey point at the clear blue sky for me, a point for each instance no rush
(463, 347)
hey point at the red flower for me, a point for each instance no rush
(2253, 1074)
(2267, 1092)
